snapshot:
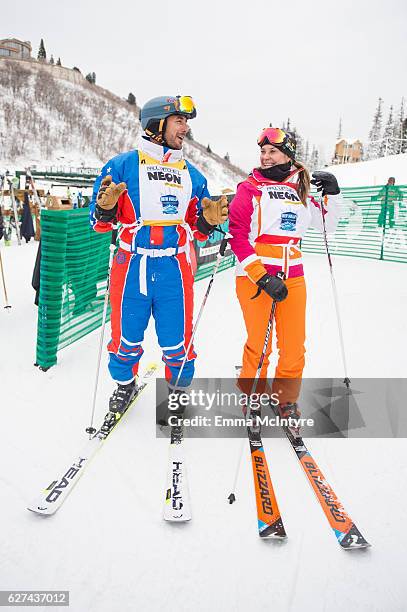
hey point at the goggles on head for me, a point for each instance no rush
(273, 135)
(284, 141)
(185, 105)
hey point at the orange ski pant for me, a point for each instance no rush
(289, 326)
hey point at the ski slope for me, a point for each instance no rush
(108, 544)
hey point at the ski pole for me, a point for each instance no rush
(91, 429)
(13, 200)
(219, 256)
(269, 332)
(323, 202)
(4, 283)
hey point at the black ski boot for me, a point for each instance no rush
(290, 410)
(118, 404)
(174, 406)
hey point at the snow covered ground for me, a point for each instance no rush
(372, 172)
(110, 547)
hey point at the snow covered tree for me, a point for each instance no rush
(131, 99)
(373, 147)
(227, 158)
(91, 78)
(404, 137)
(387, 143)
(42, 54)
(59, 62)
(189, 134)
(400, 146)
(306, 153)
(339, 128)
(51, 60)
(314, 160)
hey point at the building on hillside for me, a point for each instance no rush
(347, 151)
(15, 49)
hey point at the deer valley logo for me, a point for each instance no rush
(170, 204)
(288, 221)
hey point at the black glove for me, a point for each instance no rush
(325, 182)
(203, 226)
(106, 216)
(272, 285)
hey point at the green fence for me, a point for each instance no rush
(373, 225)
(74, 262)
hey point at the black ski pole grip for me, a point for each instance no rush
(114, 236)
(223, 246)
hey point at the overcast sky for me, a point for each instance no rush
(246, 63)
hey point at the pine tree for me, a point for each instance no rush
(59, 62)
(190, 135)
(314, 160)
(94, 78)
(373, 147)
(404, 137)
(400, 145)
(91, 77)
(306, 153)
(300, 152)
(131, 99)
(288, 124)
(227, 158)
(42, 54)
(51, 60)
(340, 128)
(387, 143)
(208, 149)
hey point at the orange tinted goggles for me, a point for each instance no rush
(273, 135)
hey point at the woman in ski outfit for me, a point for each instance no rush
(269, 215)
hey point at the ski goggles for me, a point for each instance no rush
(185, 104)
(273, 135)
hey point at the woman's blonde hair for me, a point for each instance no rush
(303, 181)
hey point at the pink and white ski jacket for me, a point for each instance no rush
(267, 220)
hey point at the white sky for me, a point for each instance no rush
(245, 63)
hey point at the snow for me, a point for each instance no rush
(372, 172)
(110, 547)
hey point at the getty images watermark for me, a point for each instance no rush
(207, 401)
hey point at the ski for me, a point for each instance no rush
(345, 530)
(177, 506)
(270, 523)
(269, 519)
(52, 498)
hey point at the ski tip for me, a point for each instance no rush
(275, 531)
(232, 498)
(353, 539)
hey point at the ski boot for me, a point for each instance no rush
(118, 404)
(177, 408)
(290, 410)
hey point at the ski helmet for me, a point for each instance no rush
(155, 112)
(285, 141)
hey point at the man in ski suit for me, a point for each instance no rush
(162, 203)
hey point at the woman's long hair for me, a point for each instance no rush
(303, 181)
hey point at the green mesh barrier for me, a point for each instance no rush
(74, 262)
(373, 225)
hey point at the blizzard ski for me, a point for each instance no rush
(269, 519)
(52, 498)
(177, 506)
(270, 523)
(345, 530)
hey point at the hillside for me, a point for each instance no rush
(51, 115)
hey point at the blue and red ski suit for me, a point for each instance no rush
(152, 272)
